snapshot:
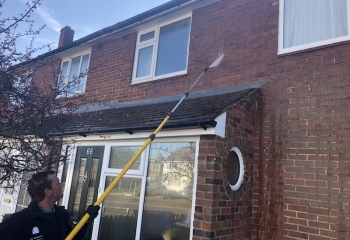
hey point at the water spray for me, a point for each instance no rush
(85, 218)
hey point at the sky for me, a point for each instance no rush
(84, 17)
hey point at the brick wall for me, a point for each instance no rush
(111, 71)
(301, 170)
(221, 213)
(46, 73)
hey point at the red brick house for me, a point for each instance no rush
(259, 149)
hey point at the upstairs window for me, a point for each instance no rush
(73, 74)
(162, 51)
(21, 89)
(311, 23)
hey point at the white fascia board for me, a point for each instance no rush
(218, 130)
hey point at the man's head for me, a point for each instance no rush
(45, 184)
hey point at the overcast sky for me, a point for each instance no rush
(84, 17)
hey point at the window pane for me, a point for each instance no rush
(144, 62)
(23, 198)
(307, 21)
(121, 155)
(169, 188)
(22, 194)
(147, 36)
(73, 73)
(173, 47)
(120, 210)
(92, 182)
(83, 69)
(64, 175)
(79, 187)
(63, 76)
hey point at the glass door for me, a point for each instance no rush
(155, 196)
(85, 182)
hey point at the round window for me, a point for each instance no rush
(235, 168)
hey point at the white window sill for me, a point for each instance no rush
(312, 46)
(70, 96)
(149, 79)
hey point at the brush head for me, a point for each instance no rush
(217, 61)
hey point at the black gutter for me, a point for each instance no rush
(202, 123)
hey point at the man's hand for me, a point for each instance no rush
(92, 211)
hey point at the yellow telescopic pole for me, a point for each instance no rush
(137, 154)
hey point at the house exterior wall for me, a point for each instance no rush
(221, 213)
(46, 73)
(298, 178)
(111, 67)
(301, 184)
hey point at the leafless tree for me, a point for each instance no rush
(33, 116)
(179, 163)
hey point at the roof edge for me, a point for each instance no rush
(205, 93)
(120, 25)
(186, 124)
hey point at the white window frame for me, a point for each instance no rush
(282, 50)
(154, 42)
(239, 182)
(69, 59)
(140, 174)
(107, 154)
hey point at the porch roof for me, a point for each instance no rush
(199, 109)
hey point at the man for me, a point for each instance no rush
(43, 219)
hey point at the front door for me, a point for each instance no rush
(85, 182)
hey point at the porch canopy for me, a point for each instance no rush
(199, 109)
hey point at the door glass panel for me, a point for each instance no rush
(169, 188)
(120, 210)
(121, 155)
(91, 182)
(79, 187)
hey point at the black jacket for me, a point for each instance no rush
(32, 224)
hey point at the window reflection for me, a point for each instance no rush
(169, 188)
(121, 155)
(23, 199)
(120, 209)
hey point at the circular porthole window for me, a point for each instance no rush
(235, 168)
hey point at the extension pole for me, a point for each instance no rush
(137, 154)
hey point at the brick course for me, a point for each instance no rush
(230, 218)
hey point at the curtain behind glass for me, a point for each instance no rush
(83, 69)
(173, 47)
(73, 74)
(144, 62)
(307, 21)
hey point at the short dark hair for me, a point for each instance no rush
(38, 183)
